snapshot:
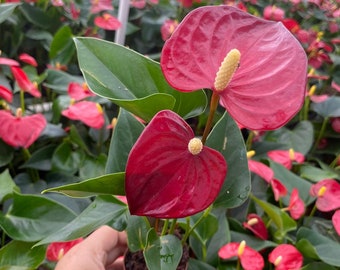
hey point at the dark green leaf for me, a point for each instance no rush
(291, 180)
(163, 253)
(6, 10)
(62, 47)
(315, 174)
(132, 81)
(6, 153)
(137, 231)
(102, 211)
(66, 159)
(41, 159)
(7, 185)
(32, 218)
(36, 16)
(199, 265)
(282, 220)
(59, 80)
(329, 108)
(252, 241)
(102, 185)
(93, 166)
(326, 250)
(227, 139)
(21, 255)
(124, 136)
(318, 266)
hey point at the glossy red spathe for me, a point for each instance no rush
(267, 89)
(165, 180)
(286, 256)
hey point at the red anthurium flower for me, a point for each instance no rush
(327, 192)
(267, 174)
(256, 225)
(286, 256)
(90, 113)
(24, 82)
(107, 22)
(336, 221)
(79, 91)
(296, 206)
(169, 173)
(286, 157)
(335, 122)
(245, 60)
(250, 259)
(21, 131)
(100, 5)
(55, 251)
(168, 28)
(8, 62)
(6, 94)
(24, 57)
(273, 13)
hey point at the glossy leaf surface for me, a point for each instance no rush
(265, 91)
(132, 81)
(163, 179)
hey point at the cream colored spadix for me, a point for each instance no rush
(227, 69)
(195, 146)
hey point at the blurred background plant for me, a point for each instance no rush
(54, 131)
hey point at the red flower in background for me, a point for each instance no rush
(286, 256)
(327, 193)
(267, 174)
(26, 58)
(264, 92)
(296, 206)
(6, 94)
(24, 82)
(8, 62)
(169, 173)
(336, 221)
(286, 157)
(168, 28)
(107, 22)
(100, 5)
(90, 113)
(250, 259)
(79, 91)
(21, 131)
(273, 13)
(55, 251)
(256, 225)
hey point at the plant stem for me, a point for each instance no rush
(173, 226)
(321, 133)
(189, 230)
(32, 172)
(213, 106)
(165, 227)
(22, 101)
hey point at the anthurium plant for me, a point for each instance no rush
(211, 136)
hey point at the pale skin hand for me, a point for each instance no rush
(99, 251)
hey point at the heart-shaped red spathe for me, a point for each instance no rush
(163, 179)
(267, 89)
(21, 131)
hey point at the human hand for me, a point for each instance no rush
(99, 251)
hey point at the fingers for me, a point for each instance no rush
(96, 252)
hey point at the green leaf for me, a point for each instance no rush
(6, 153)
(36, 16)
(199, 265)
(163, 253)
(312, 244)
(315, 174)
(291, 180)
(110, 184)
(66, 159)
(252, 241)
(6, 10)
(329, 108)
(40, 159)
(93, 166)
(137, 231)
(7, 185)
(300, 138)
(21, 255)
(104, 210)
(282, 220)
(32, 218)
(124, 136)
(62, 47)
(318, 266)
(132, 81)
(227, 139)
(59, 80)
